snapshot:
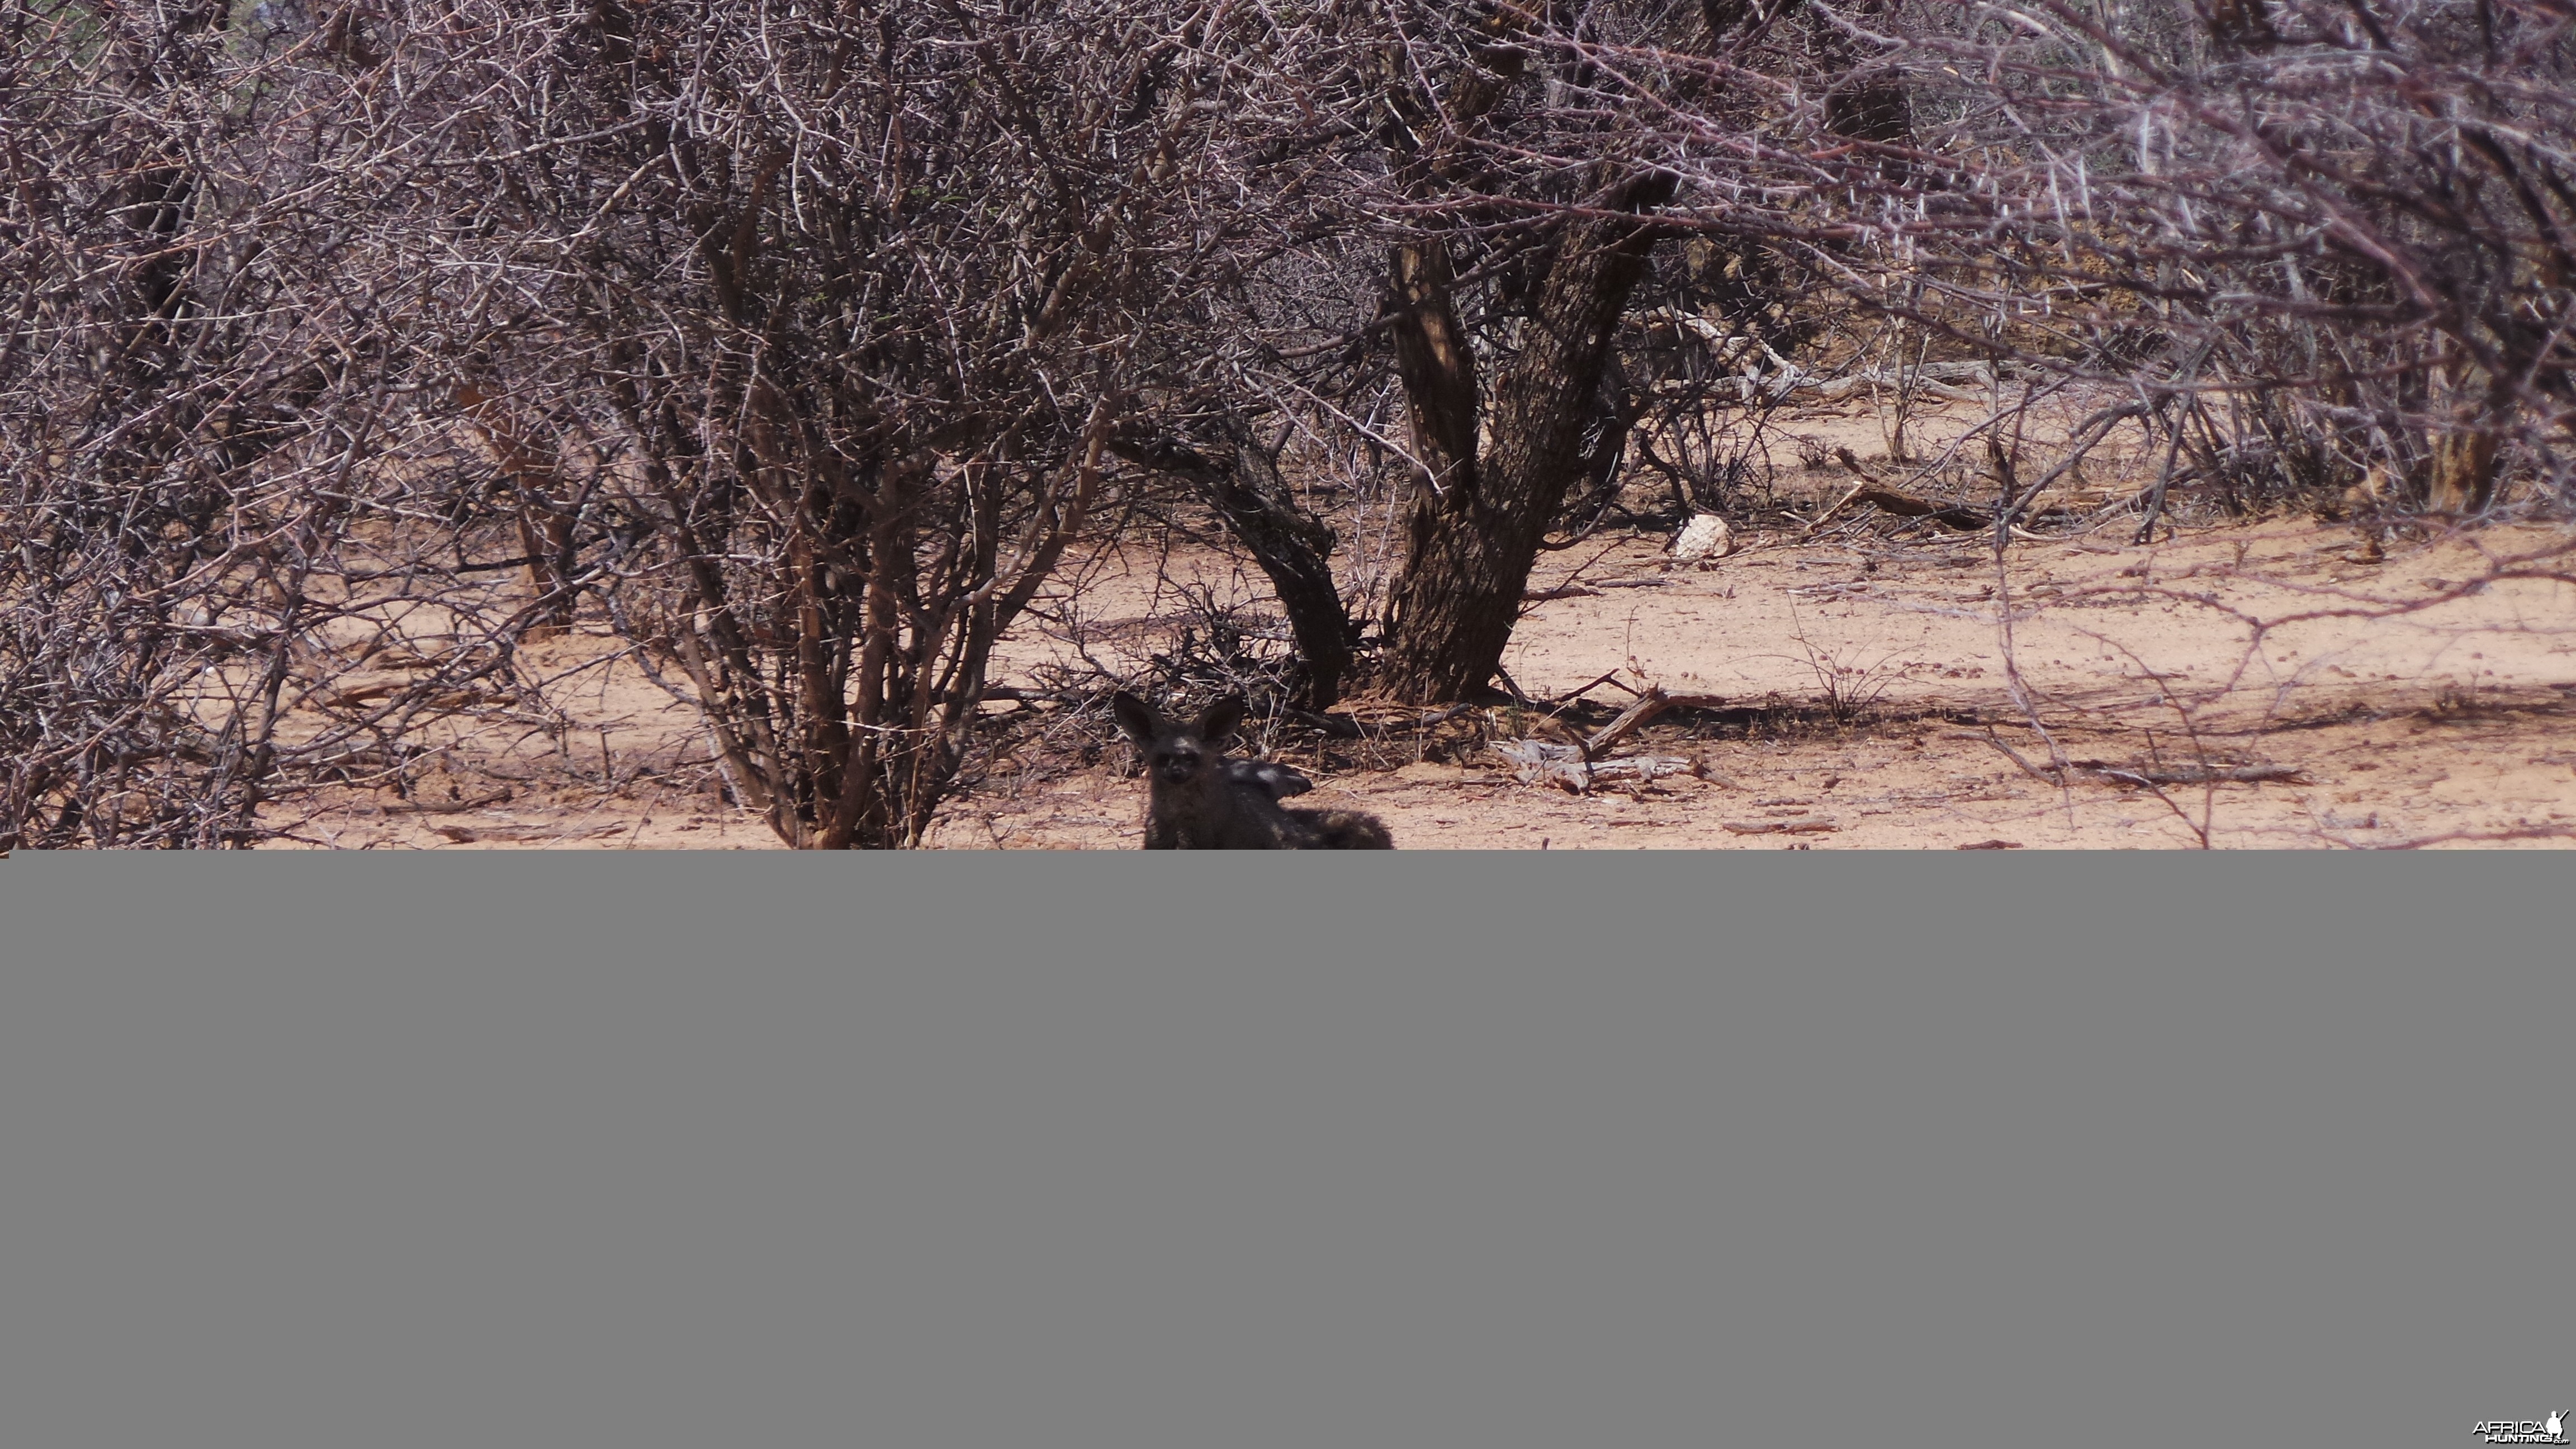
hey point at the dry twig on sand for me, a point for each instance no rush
(1577, 763)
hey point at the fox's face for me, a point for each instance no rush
(1179, 759)
(1178, 755)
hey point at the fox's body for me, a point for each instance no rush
(1197, 799)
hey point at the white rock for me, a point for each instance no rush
(1705, 537)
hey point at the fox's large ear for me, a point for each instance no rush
(1136, 717)
(1221, 718)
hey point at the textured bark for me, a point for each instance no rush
(1477, 521)
(1435, 365)
(2462, 471)
(1240, 479)
(1496, 464)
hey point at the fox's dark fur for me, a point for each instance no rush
(1197, 799)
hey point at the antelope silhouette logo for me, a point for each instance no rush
(2552, 1430)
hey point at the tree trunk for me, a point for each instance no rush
(1240, 480)
(1477, 522)
(2462, 471)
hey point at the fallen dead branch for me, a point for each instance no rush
(2047, 776)
(1649, 704)
(1545, 762)
(1576, 764)
(2480, 837)
(1872, 489)
(2236, 775)
(1610, 678)
(1341, 726)
(1903, 505)
(522, 834)
(2146, 778)
(1780, 827)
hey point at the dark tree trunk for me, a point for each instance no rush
(1494, 472)
(1239, 478)
(2461, 471)
(1477, 521)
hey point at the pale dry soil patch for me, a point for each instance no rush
(1869, 702)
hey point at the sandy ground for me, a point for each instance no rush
(1868, 702)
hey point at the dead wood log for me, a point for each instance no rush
(1576, 764)
(1871, 489)
(1648, 705)
(1546, 762)
(2146, 778)
(524, 834)
(2195, 775)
